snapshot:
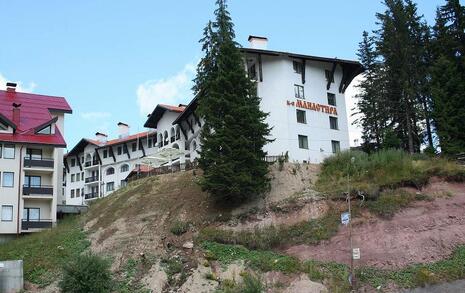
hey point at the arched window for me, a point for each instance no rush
(178, 133)
(175, 146)
(110, 171)
(124, 168)
(160, 140)
(172, 136)
(166, 140)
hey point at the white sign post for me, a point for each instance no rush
(345, 218)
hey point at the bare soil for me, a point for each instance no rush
(427, 231)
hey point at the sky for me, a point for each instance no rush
(114, 60)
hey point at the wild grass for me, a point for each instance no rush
(180, 227)
(336, 274)
(308, 232)
(45, 253)
(381, 170)
(390, 202)
(250, 284)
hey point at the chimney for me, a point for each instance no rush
(257, 42)
(123, 130)
(11, 87)
(16, 113)
(101, 137)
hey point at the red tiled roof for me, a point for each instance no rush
(34, 112)
(178, 109)
(125, 139)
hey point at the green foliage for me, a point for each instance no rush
(46, 252)
(87, 273)
(180, 227)
(257, 259)
(448, 76)
(133, 270)
(234, 132)
(308, 232)
(175, 270)
(250, 284)
(446, 270)
(373, 172)
(390, 202)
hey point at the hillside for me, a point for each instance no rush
(164, 234)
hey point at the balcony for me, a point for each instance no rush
(36, 224)
(90, 163)
(45, 190)
(91, 179)
(91, 195)
(38, 163)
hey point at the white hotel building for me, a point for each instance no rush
(31, 165)
(303, 94)
(96, 167)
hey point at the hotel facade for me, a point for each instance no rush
(31, 165)
(304, 96)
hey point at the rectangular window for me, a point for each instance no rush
(301, 116)
(105, 154)
(110, 186)
(120, 150)
(73, 162)
(149, 143)
(9, 151)
(82, 176)
(298, 68)
(124, 183)
(336, 145)
(328, 76)
(303, 142)
(333, 123)
(34, 154)
(8, 179)
(31, 214)
(32, 181)
(134, 146)
(252, 72)
(78, 177)
(82, 160)
(72, 193)
(7, 213)
(332, 99)
(78, 192)
(73, 176)
(299, 91)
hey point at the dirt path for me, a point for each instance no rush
(425, 232)
(453, 287)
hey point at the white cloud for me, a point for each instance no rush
(95, 115)
(355, 132)
(172, 90)
(21, 87)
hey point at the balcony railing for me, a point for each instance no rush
(38, 162)
(36, 224)
(37, 189)
(91, 179)
(90, 163)
(91, 195)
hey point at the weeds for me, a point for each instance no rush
(180, 227)
(309, 232)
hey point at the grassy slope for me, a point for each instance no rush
(44, 253)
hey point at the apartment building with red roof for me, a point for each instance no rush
(31, 165)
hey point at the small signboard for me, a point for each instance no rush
(345, 218)
(356, 253)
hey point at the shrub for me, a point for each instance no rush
(87, 273)
(390, 202)
(179, 227)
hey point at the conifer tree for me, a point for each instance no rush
(448, 76)
(234, 131)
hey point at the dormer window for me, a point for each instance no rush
(3, 126)
(45, 130)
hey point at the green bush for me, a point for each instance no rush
(389, 168)
(180, 227)
(390, 202)
(87, 273)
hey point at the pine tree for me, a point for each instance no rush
(372, 121)
(402, 75)
(235, 131)
(448, 76)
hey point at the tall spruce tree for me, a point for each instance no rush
(235, 131)
(448, 76)
(399, 82)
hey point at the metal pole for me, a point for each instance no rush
(352, 283)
